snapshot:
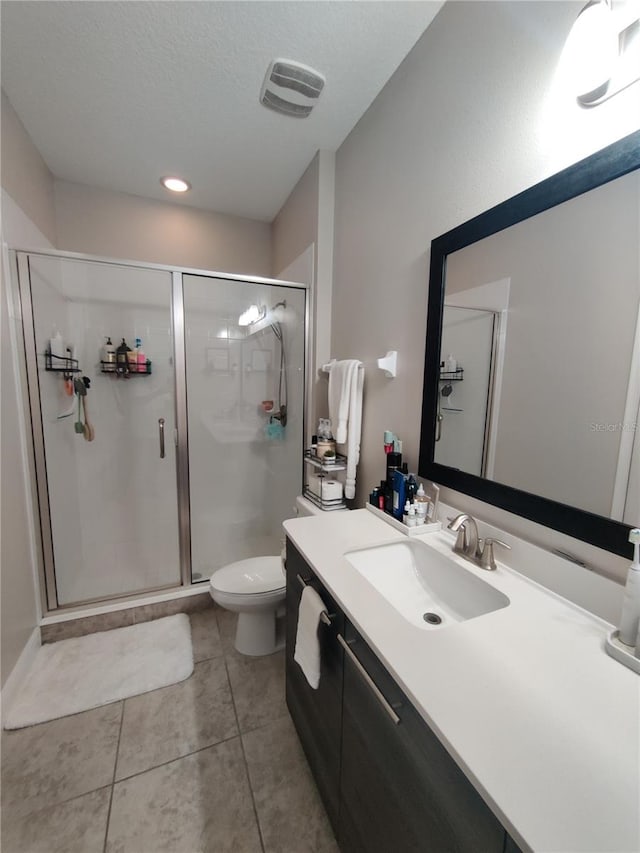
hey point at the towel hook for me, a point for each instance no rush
(389, 364)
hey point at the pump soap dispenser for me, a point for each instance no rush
(630, 618)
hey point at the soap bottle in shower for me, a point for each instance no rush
(141, 359)
(122, 357)
(108, 357)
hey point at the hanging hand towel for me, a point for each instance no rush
(341, 377)
(346, 381)
(307, 651)
(355, 430)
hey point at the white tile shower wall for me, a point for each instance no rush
(242, 483)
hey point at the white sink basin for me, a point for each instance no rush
(417, 580)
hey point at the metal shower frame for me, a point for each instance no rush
(39, 485)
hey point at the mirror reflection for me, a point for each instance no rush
(539, 385)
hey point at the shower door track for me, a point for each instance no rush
(46, 562)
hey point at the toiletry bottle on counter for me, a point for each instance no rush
(422, 505)
(451, 365)
(630, 619)
(394, 462)
(399, 492)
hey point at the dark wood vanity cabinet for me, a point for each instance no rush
(388, 784)
(400, 789)
(317, 714)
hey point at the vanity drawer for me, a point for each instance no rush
(398, 767)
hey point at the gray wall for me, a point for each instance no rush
(306, 222)
(296, 225)
(117, 225)
(28, 220)
(475, 114)
(24, 173)
(20, 610)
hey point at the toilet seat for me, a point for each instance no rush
(255, 576)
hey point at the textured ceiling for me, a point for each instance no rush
(117, 94)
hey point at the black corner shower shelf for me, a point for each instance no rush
(452, 375)
(60, 363)
(122, 370)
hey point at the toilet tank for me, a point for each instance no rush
(304, 506)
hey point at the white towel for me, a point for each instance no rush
(346, 381)
(341, 377)
(355, 430)
(307, 651)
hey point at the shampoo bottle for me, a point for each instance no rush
(141, 359)
(56, 347)
(631, 603)
(108, 357)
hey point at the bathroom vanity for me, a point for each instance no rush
(504, 730)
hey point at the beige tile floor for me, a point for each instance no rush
(211, 764)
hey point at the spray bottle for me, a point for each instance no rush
(630, 618)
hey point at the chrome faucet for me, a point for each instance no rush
(470, 546)
(467, 540)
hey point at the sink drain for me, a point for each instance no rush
(432, 618)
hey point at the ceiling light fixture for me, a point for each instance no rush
(252, 315)
(176, 185)
(603, 51)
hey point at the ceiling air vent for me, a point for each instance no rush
(291, 88)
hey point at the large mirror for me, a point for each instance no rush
(532, 369)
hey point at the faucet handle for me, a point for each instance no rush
(487, 560)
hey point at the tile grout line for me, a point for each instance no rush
(113, 780)
(177, 758)
(246, 764)
(244, 756)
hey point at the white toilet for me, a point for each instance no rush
(255, 590)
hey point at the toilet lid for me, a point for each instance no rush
(258, 574)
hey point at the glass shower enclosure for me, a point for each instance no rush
(177, 447)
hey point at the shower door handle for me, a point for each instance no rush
(161, 436)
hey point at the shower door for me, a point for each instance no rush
(244, 346)
(108, 506)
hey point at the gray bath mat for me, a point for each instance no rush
(86, 672)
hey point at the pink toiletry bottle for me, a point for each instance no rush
(142, 359)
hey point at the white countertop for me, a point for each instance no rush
(543, 722)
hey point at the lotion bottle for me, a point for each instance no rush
(630, 618)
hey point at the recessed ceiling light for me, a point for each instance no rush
(176, 185)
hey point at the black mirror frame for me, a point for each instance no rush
(606, 165)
